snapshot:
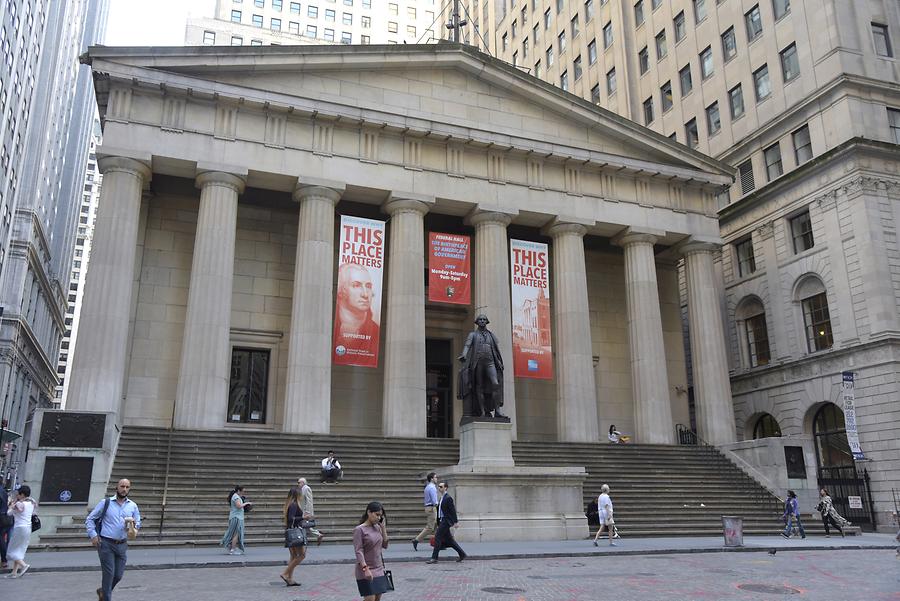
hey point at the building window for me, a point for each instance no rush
(347, 18)
(761, 83)
(294, 27)
(757, 337)
(754, 23)
(713, 122)
(644, 60)
(559, 5)
(411, 31)
(882, 40)
(588, 10)
(392, 28)
(237, 40)
(774, 167)
(236, 16)
(801, 232)
(275, 24)
(781, 8)
(513, 30)
(295, 8)
(790, 66)
(745, 175)
(515, 59)
(802, 145)
(639, 13)
(537, 69)
(365, 21)
(411, 13)
(256, 42)
(699, 10)
(504, 41)
(592, 52)
(548, 55)
(661, 49)
(311, 31)
(817, 321)
(766, 427)
(745, 258)
(607, 35)
(564, 81)
(276, 5)
(561, 41)
(257, 20)
(209, 38)
(654, 4)
(729, 45)
(547, 19)
(680, 28)
(894, 123)
(574, 27)
(595, 94)
(611, 82)
(393, 8)
(329, 35)
(684, 78)
(346, 37)
(525, 48)
(259, 3)
(648, 111)
(576, 67)
(248, 390)
(329, 15)
(665, 96)
(364, 39)
(692, 137)
(312, 12)
(706, 63)
(736, 101)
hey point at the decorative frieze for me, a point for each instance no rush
(173, 114)
(118, 107)
(573, 180)
(368, 146)
(323, 137)
(535, 173)
(412, 153)
(496, 168)
(226, 122)
(454, 160)
(276, 125)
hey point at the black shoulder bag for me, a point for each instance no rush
(98, 522)
(294, 536)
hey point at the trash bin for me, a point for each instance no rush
(733, 529)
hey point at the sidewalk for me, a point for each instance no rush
(212, 557)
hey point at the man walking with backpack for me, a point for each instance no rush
(109, 526)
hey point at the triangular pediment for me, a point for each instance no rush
(437, 90)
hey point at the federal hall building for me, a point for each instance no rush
(211, 290)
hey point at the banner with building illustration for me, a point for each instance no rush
(449, 268)
(357, 314)
(530, 270)
(848, 404)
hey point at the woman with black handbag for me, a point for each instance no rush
(22, 512)
(294, 535)
(369, 538)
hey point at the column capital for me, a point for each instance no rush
(408, 203)
(632, 235)
(561, 226)
(221, 178)
(112, 164)
(309, 187)
(483, 214)
(698, 245)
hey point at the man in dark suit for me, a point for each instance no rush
(446, 521)
(6, 523)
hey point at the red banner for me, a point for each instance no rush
(357, 315)
(448, 268)
(532, 352)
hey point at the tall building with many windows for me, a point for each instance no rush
(802, 98)
(48, 103)
(258, 22)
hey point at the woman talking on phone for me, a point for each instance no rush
(369, 538)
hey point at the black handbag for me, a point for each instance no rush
(35, 522)
(388, 576)
(294, 537)
(307, 523)
(6, 520)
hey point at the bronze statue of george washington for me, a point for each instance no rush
(481, 375)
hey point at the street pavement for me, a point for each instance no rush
(821, 575)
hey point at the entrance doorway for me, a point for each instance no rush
(439, 388)
(837, 470)
(248, 390)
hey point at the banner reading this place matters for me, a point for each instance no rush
(532, 356)
(448, 268)
(357, 315)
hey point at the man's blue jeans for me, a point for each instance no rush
(787, 528)
(112, 562)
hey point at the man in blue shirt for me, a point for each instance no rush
(431, 501)
(108, 527)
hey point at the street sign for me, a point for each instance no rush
(855, 502)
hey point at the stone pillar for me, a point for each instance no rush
(575, 390)
(98, 374)
(712, 388)
(203, 380)
(649, 376)
(403, 414)
(492, 295)
(307, 402)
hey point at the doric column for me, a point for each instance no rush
(712, 388)
(307, 402)
(575, 392)
(403, 414)
(492, 295)
(203, 380)
(98, 373)
(649, 378)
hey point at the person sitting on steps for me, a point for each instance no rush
(331, 469)
(617, 437)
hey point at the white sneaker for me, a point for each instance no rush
(25, 569)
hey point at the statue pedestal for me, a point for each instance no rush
(498, 501)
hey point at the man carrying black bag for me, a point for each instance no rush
(447, 520)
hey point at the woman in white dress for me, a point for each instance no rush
(605, 513)
(21, 510)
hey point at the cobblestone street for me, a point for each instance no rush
(846, 575)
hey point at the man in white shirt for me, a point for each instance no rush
(331, 469)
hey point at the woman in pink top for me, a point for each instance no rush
(369, 538)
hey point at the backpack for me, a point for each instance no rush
(98, 522)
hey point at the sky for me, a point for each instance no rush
(152, 22)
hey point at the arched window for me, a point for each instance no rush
(751, 318)
(832, 449)
(816, 318)
(766, 427)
